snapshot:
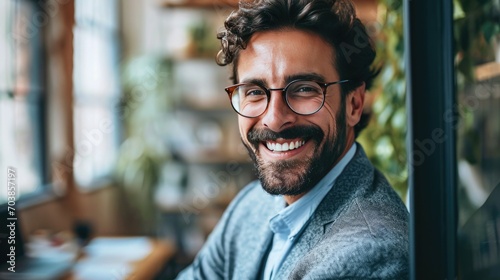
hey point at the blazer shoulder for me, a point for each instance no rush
(367, 239)
(252, 205)
(360, 244)
(378, 212)
(251, 194)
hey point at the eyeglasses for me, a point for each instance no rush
(304, 97)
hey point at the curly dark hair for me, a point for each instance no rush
(334, 21)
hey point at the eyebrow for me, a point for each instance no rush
(300, 76)
(254, 81)
(305, 76)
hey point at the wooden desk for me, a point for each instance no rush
(151, 265)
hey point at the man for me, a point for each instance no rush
(319, 210)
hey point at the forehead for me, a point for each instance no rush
(272, 56)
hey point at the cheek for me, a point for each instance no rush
(328, 119)
(244, 125)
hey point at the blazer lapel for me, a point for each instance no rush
(256, 240)
(258, 251)
(357, 175)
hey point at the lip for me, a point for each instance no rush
(265, 153)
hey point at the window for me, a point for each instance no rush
(96, 90)
(453, 60)
(478, 131)
(21, 96)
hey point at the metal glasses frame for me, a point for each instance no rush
(230, 91)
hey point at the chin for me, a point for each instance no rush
(286, 177)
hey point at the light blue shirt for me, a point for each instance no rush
(291, 220)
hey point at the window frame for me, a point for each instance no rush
(36, 97)
(90, 19)
(433, 177)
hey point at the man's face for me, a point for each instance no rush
(274, 58)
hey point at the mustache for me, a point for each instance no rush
(255, 135)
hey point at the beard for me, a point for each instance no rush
(297, 176)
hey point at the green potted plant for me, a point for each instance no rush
(146, 98)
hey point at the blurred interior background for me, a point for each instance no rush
(114, 115)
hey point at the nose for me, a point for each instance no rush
(278, 115)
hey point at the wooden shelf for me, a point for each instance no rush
(487, 71)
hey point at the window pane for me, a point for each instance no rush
(95, 142)
(96, 88)
(19, 147)
(102, 13)
(21, 120)
(26, 39)
(478, 131)
(6, 45)
(95, 71)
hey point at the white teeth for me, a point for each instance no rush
(278, 147)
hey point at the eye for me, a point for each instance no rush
(306, 88)
(255, 92)
(250, 90)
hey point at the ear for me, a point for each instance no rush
(355, 101)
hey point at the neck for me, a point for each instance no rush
(289, 199)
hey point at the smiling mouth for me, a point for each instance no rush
(284, 146)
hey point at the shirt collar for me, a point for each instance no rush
(290, 220)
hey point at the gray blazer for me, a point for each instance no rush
(359, 231)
